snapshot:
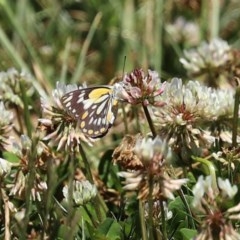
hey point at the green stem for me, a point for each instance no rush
(150, 207)
(70, 189)
(184, 200)
(97, 200)
(29, 185)
(125, 120)
(65, 61)
(164, 230)
(211, 170)
(159, 18)
(150, 122)
(204, 19)
(235, 117)
(142, 220)
(26, 114)
(86, 164)
(214, 12)
(7, 225)
(51, 183)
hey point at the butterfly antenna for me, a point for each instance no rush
(123, 109)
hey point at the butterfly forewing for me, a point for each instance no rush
(95, 109)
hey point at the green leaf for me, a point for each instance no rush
(178, 208)
(179, 219)
(11, 157)
(109, 230)
(187, 234)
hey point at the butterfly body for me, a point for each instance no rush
(94, 108)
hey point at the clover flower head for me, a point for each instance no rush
(227, 191)
(83, 192)
(211, 202)
(5, 126)
(5, 167)
(60, 129)
(147, 149)
(125, 156)
(22, 148)
(187, 107)
(183, 31)
(163, 185)
(212, 55)
(18, 187)
(153, 154)
(137, 87)
(10, 90)
(202, 186)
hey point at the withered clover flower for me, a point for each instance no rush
(228, 158)
(213, 205)
(188, 107)
(61, 130)
(20, 177)
(5, 126)
(137, 87)
(83, 192)
(153, 153)
(125, 156)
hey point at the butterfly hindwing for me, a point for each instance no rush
(95, 109)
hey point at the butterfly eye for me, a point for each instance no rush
(93, 108)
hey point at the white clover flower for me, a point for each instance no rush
(183, 31)
(201, 187)
(214, 54)
(61, 131)
(10, 86)
(147, 148)
(5, 126)
(226, 189)
(216, 220)
(5, 167)
(187, 107)
(83, 192)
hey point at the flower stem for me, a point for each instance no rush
(149, 119)
(211, 170)
(142, 218)
(70, 189)
(164, 231)
(86, 164)
(235, 117)
(26, 115)
(7, 231)
(29, 185)
(97, 199)
(150, 207)
(184, 200)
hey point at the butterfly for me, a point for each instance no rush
(95, 109)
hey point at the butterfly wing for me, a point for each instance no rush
(95, 108)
